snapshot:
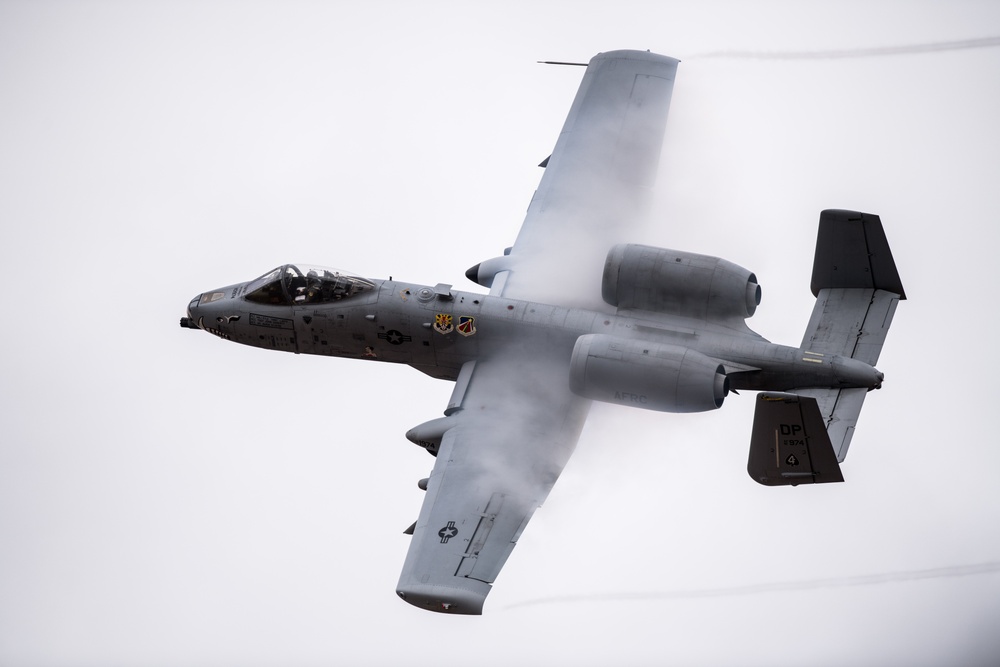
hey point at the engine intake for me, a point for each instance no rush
(486, 271)
(651, 376)
(678, 283)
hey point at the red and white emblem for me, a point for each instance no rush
(466, 325)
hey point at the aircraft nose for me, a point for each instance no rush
(191, 321)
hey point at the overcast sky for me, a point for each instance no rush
(168, 498)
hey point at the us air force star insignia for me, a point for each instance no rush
(466, 325)
(443, 323)
(448, 532)
(395, 337)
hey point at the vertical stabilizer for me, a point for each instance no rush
(853, 252)
(789, 444)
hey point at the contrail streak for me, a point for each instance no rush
(930, 47)
(775, 587)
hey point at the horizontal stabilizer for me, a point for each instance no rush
(789, 444)
(839, 409)
(852, 252)
(852, 322)
(857, 290)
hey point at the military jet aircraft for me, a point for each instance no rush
(656, 329)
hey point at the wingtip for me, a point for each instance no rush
(443, 599)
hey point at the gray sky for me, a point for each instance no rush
(169, 498)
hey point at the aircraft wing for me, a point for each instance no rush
(512, 427)
(512, 421)
(596, 181)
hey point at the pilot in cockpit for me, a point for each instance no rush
(297, 287)
(314, 286)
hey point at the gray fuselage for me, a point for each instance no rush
(437, 330)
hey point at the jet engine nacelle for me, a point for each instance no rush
(678, 283)
(652, 376)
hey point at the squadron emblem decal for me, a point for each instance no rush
(448, 532)
(443, 323)
(466, 325)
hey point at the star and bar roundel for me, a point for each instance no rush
(448, 532)
(394, 337)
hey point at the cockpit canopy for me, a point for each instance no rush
(300, 284)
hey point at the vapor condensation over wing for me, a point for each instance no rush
(517, 426)
(596, 183)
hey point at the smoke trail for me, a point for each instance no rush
(775, 587)
(931, 47)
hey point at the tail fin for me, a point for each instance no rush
(857, 289)
(789, 444)
(852, 252)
